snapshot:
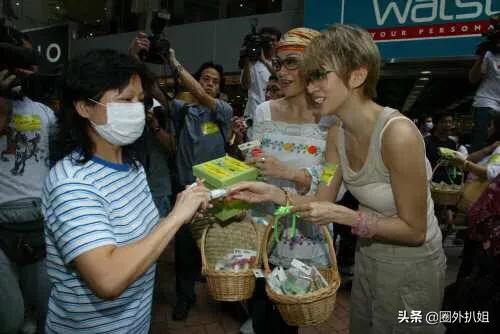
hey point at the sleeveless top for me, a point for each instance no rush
(371, 185)
(298, 145)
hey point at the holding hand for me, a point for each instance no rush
(325, 213)
(257, 192)
(190, 202)
(458, 160)
(270, 166)
(140, 42)
(6, 81)
(239, 128)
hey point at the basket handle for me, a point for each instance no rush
(204, 265)
(328, 239)
(439, 164)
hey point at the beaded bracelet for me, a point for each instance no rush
(365, 226)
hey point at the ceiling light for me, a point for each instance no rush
(18, 3)
(426, 72)
(423, 79)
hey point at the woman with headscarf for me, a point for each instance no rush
(400, 262)
(293, 144)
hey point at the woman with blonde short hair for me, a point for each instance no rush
(400, 263)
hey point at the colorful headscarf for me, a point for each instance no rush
(297, 39)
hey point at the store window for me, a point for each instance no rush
(190, 11)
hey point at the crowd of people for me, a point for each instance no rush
(84, 218)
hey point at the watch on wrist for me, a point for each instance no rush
(179, 68)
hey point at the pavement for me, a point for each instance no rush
(210, 317)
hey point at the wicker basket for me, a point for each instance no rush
(216, 242)
(446, 196)
(311, 308)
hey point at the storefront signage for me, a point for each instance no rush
(410, 28)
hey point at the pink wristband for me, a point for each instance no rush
(365, 226)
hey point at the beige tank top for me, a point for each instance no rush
(371, 185)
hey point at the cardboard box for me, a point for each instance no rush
(223, 173)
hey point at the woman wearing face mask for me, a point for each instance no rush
(102, 229)
(400, 263)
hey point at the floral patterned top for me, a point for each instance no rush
(299, 146)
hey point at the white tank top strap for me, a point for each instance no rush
(389, 123)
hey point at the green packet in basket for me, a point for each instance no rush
(222, 173)
(446, 153)
(296, 280)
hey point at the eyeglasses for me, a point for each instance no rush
(318, 75)
(272, 89)
(290, 63)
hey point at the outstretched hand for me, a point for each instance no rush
(325, 213)
(256, 192)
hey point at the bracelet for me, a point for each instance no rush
(288, 200)
(365, 225)
(178, 68)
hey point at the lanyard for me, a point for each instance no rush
(281, 212)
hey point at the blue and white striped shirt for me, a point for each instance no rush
(87, 206)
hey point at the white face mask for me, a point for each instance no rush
(429, 125)
(125, 123)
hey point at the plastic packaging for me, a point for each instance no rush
(238, 260)
(298, 279)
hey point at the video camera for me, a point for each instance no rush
(159, 47)
(13, 55)
(492, 37)
(254, 43)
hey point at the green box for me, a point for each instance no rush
(223, 173)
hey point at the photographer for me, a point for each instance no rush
(203, 131)
(158, 138)
(25, 128)
(257, 68)
(486, 70)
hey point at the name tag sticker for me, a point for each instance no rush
(328, 174)
(209, 128)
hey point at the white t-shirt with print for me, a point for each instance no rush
(488, 93)
(24, 150)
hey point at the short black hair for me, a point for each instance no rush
(440, 115)
(271, 31)
(90, 76)
(216, 67)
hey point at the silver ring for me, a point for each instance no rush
(262, 159)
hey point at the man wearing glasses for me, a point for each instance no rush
(273, 89)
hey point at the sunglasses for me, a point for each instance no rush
(318, 75)
(290, 63)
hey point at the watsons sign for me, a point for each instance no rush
(427, 11)
(418, 19)
(410, 28)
